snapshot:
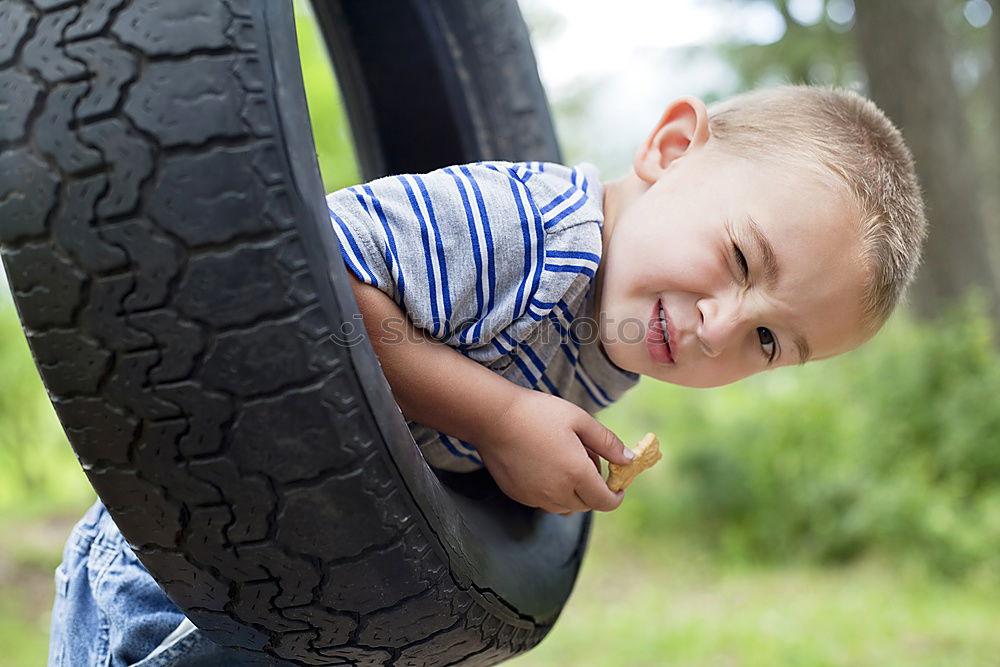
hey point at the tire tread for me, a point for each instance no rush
(148, 319)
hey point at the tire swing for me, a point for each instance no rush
(165, 236)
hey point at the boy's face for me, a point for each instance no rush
(790, 293)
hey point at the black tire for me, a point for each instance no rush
(165, 237)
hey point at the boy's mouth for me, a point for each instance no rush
(658, 335)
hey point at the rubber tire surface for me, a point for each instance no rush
(165, 237)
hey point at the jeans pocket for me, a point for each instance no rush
(139, 613)
(57, 630)
(187, 646)
(78, 631)
(172, 648)
(62, 581)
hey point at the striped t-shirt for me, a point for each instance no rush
(497, 260)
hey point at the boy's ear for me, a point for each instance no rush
(683, 127)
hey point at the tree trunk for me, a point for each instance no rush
(992, 166)
(908, 54)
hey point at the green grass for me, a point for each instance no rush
(29, 553)
(25, 641)
(640, 603)
(888, 467)
(649, 604)
(38, 470)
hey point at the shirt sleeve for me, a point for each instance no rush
(476, 255)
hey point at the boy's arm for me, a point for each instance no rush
(540, 449)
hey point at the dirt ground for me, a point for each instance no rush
(29, 553)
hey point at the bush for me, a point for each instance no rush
(329, 121)
(37, 466)
(893, 448)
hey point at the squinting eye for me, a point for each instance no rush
(767, 343)
(742, 261)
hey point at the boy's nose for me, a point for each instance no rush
(720, 320)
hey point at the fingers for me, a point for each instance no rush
(561, 510)
(600, 439)
(596, 459)
(605, 501)
(567, 506)
(585, 498)
(595, 494)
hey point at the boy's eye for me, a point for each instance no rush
(768, 344)
(741, 260)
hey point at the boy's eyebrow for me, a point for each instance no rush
(768, 262)
(803, 345)
(770, 274)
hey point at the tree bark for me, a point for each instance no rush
(908, 54)
(992, 166)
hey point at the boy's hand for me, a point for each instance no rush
(544, 452)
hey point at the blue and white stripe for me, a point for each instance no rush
(570, 346)
(496, 260)
(373, 207)
(434, 259)
(572, 261)
(350, 251)
(532, 234)
(563, 206)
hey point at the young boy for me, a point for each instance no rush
(507, 302)
(781, 227)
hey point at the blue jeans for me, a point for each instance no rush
(109, 611)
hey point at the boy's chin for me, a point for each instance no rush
(698, 381)
(614, 354)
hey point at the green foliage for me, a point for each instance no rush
(821, 53)
(653, 605)
(329, 122)
(37, 466)
(25, 640)
(893, 448)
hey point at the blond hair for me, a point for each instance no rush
(851, 137)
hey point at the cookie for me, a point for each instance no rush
(647, 453)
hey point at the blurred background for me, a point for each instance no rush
(842, 513)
